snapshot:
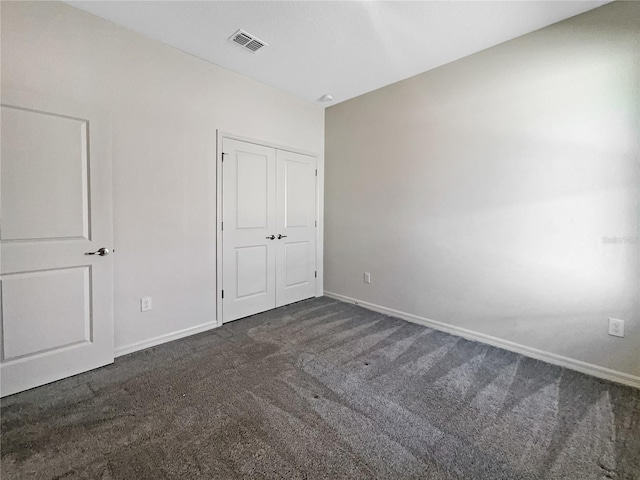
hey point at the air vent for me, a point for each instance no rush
(248, 41)
(242, 39)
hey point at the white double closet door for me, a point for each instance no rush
(268, 228)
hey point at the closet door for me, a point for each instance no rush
(248, 215)
(295, 227)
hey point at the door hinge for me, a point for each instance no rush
(316, 222)
(223, 154)
(316, 172)
(221, 226)
(222, 293)
(316, 274)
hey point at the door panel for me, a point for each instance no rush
(296, 259)
(28, 329)
(252, 183)
(248, 215)
(299, 186)
(56, 310)
(295, 220)
(44, 195)
(252, 270)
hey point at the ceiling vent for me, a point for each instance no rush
(247, 41)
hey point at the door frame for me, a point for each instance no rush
(220, 135)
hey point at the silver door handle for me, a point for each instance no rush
(272, 237)
(281, 236)
(101, 251)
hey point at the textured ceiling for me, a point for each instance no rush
(343, 48)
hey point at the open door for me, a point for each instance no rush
(56, 290)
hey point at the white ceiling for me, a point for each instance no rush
(343, 48)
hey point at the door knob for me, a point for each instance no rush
(101, 251)
(272, 237)
(281, 236)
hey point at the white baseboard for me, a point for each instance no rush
(562, 361)
(152, 342)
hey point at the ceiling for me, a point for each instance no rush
(343, 48)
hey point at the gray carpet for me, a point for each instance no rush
(323, 389)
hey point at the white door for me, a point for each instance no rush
(248, 229)
(57, 302)
(268, 228)
(295, 227)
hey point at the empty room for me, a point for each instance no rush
(320, 240)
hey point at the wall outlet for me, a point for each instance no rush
(145, 304)
(616, 327)
(366, 278)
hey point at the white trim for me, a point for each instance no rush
(555, 359)
(169, 337)
(219, 220)
(231, 136)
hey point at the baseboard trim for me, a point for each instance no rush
(555, 359)
(169, 337)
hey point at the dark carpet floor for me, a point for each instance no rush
(322, 390)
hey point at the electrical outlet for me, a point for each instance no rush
(366, 277)
(616, 327)
(145, 304)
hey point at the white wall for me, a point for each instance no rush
(165, 107)
(478, 194)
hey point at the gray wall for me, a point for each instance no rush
(165, 107)
(478, 194)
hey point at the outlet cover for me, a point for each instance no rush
(616, 327)
(145, 304)
(366, 278)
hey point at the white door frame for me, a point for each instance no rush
(220, 135)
